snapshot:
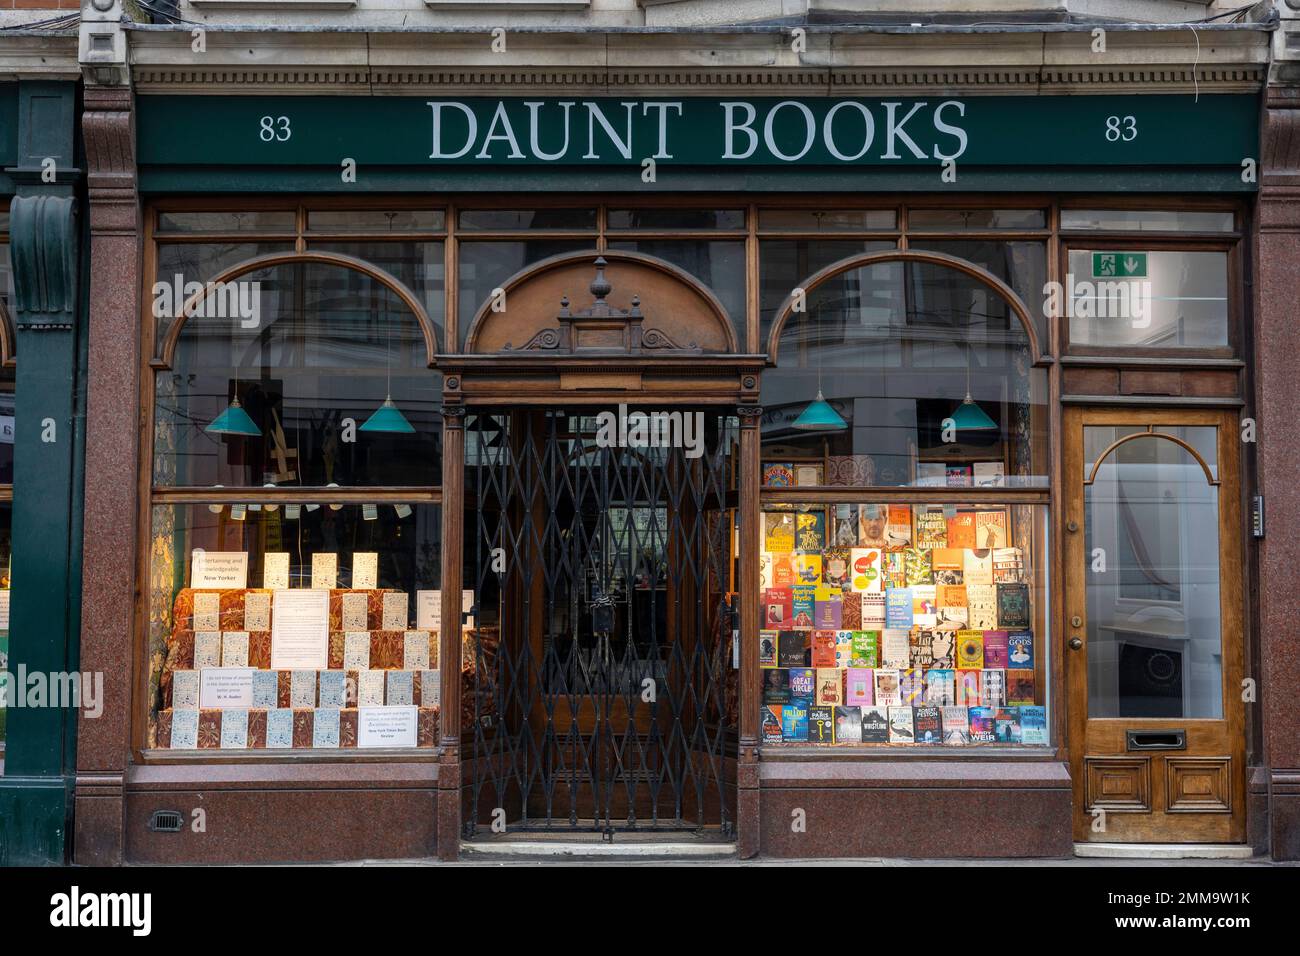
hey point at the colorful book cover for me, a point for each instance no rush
(1006, 725)
(792, 649)
(821, 725)
(873, 610)
(778, 531)
(895, 647)
(930, 474)
(843, 648)
(900, 726)
(886, 691)
(768, 641)
(941, 687)
(950, 595)
(866, 649)
(828, 608)
(783, 570)
(926, 725)
(894, 568)
(794, 722)
(803, 684)
(959, 476)
(898, 529)
(989, 474)
(993, 688)
(931, 529)
(845, 531)
(851, 614)
(770, 723)
(823, 648)
(918, 649)
(864, 569)
(875, 725)
(911, 685)
(956, 726)
(810, 531)
(778, 474)
(1013, 606)
(858, 689)
(977, 566)
(765, 577)
(898, 607)
(948, 565)
(925, 612)
(848, 725)
(991, 529)
(1033, 725)
(830, 687)
(970, 649)
(1020, 649)
(968, 688)
(918, 568)
(808, 569)
(981, 607)
(1020, 688)
(777, 609)
(873, 520)
(995, 649)
(776, 686)
(954, 618)
(961, 530)
(1008, 566)
(981, 725)
(835, 567)
(802, 606)
(808, 475)
(943, 648)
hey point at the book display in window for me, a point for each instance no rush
(907, 625)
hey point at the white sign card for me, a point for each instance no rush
(225, 687)
(300, 630)
(386, 726)
(4, 609)
(428, 607)
(325, 570)
(365, 570)
(207, 611)
(218, 569)
(275, 571)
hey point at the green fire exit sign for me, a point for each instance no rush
(1119, 265)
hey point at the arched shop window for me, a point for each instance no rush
(905, 464)
(295, 519)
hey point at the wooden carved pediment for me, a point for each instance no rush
(595, 305)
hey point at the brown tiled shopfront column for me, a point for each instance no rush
(1277, 336)
(112, 437)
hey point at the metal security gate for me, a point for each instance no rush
(600, 678)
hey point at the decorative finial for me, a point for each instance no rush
(600, 286)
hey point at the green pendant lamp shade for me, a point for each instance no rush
(387, 418)
(970, 417)
(819, 416)
(233, 421)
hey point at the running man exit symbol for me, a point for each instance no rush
(1119, 265)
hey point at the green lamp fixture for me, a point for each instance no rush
(233, 421)
(968, 416)
(387, 418)
(819, 416)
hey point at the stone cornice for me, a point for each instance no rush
(597, 63)
(39, 56)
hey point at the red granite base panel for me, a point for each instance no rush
(921, 823)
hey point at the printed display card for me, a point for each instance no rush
(365, 570)
(226, 570)
(386, 726)
(275, 571)
(225, 687)
(325, 570)
(300, 630)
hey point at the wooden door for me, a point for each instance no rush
(1154, 625)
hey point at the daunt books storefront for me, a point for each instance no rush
(805, 475)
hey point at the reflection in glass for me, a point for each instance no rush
(485, 266)
(324, 347)
(1021, 265)
(1153, 636)
(785, 263)
(674, 218)
(720, 265)
(1182, 302)
(1147, 220)
(896, 346)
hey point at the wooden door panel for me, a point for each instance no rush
(1191, 790)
